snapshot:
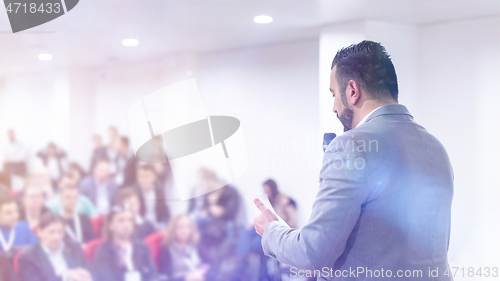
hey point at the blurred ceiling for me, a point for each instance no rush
(91, 33)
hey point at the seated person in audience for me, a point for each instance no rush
(78, 227)
(42, 180)
(54, 159)
(98, 152)
(99, 187)
(216, 223)
(253, 264)
(112, 147)
(126, 163)
(76, 171)
(53, 259)
(32, 205)
(13, 233)
(14, 236)
(153, 205)
(122, 257)
(220, 204)
(84, 205)
(143, 227)
(179, 259)
(284, 206)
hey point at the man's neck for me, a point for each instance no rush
(53, 249)
(120, 241)
(147, 188)
(182, 245)
(368, 106)
(68, 214)
(7, 227)
(100, 181)
(33, 213)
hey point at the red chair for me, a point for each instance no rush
(90, 248)
(97, 223)
(154, 242)
(14, 193)
(16, 260)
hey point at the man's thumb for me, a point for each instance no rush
(260, 205)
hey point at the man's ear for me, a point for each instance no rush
(354, 92)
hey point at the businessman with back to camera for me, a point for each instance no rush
(383, 206)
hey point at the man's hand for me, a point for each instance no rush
(78, 274)
(264, 218)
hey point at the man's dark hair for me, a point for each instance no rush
(369, 64)
(125, 140)
(272, 185)
(49, 218)
(125, 193)
(103, 159)
(114, 211)
(67, 187)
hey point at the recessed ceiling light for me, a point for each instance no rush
(130, 42)
(263, 19)
(45, 57)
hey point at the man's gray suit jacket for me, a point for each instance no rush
(383, 206)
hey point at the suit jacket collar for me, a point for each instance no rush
(42, 259)
(45, 262)
(389, 109)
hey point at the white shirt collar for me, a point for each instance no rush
(366, 117)
(50, 252)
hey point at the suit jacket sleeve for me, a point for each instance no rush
(337, 207)
(87, 228)
(165, 265)
(30, 270)
(148, 269)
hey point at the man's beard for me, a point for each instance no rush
(346, 118)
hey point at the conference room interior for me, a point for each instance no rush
(66, 88)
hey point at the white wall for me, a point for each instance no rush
(36, 105)
(459, 72)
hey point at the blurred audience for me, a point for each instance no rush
(53, 259)
(284, 206)
(215, 218)
(83, 206)
(126, 201)
(179, 259)
(126, 163)
(112, 148)
(42, 180)
(76, 171)
(122, 257)
(100, 187)
(99, 151)
(14, 233)
(15, 156)
(78, 226)
(54, 159)
(152, 195)
(130, 198)
(253, 264)
(32, 205)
